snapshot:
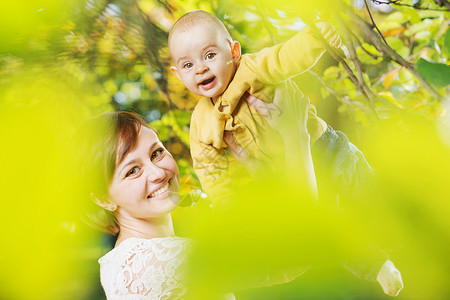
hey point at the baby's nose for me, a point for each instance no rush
(201, 68)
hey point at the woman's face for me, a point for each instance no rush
(146, 183)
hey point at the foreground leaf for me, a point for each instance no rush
(435, 73)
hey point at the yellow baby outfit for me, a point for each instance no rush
(258, 74)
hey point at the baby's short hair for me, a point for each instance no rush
(197, 17)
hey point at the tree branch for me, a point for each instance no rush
(373, 22)
(341, 98)
(384, 48)
(150, 28)
(398, 3)
(356, 38)
(353, 57)
(344, 64)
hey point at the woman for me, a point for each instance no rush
(133, 183)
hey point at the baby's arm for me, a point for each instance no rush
(273, 65)
(390, 279)
(295, 56)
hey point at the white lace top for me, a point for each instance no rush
(154, 269)
(144, 269)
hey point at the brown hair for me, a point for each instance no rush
(102, 144)
(195, 17)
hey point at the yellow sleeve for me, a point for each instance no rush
(278, 63)
(211, 166)
(273, 65)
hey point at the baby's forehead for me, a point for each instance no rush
(198, 21)
(201, 24)
(196, 37)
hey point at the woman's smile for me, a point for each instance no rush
(160, 191)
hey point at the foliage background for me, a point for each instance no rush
(64, 61)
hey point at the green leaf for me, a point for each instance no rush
(423, 36)
(385, 26)
(447, 44)
(403, 52)
(405, 76)
(410, 12)
(183, 117)
(428, 13)
(398, 17)
(395, 43)
(419, 27)
(435, 73)
(366, 58)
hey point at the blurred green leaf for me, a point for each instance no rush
(435, 73)
(365, 58)
(447, 44)
(419, 27)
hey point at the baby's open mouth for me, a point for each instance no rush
(207, 81)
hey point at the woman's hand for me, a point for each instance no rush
(288, 113)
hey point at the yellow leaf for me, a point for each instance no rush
(394, 31)
(389, 78)
(389, 97)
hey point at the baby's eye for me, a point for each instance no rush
(210, 55)
(133, 171)
(188, 65)
(157, 153)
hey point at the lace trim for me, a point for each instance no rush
(145, 268)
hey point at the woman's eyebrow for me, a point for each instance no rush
(131, 162)
(158, 143)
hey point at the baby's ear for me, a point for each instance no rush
(175, 71)
(236, 51)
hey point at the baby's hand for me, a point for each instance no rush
(329, 33)
(390, 279)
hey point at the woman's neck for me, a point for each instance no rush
(145, 228)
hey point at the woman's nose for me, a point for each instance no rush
(155, 173)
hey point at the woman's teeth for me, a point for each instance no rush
(160, 191)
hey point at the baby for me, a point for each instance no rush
(210, 65)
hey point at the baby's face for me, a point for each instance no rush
(203, 59)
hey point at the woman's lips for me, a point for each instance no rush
(208, 83)
(160, 191)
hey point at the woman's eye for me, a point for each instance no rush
(210, 55)
(157, 153)
(132, 172)
(188, 65)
